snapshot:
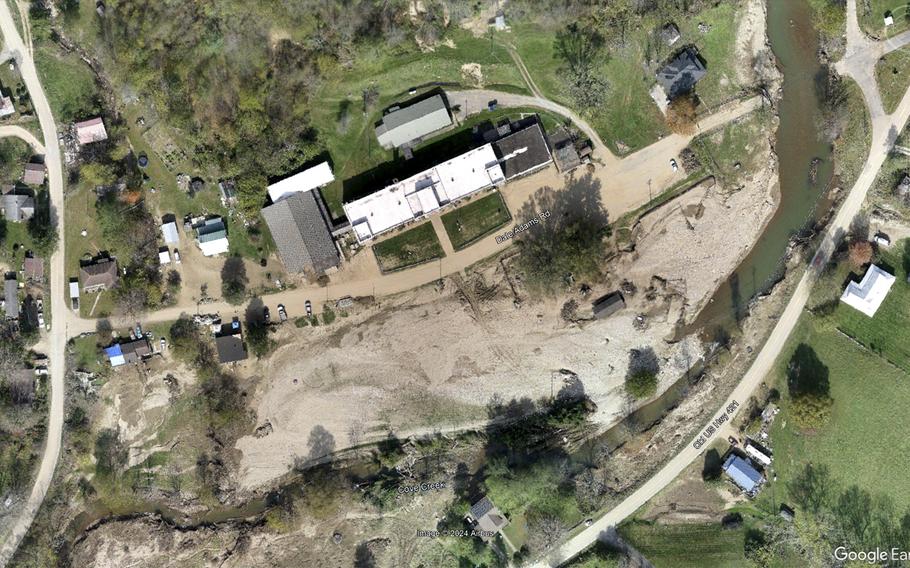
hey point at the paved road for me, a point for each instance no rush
(857, 64)
(59, 312)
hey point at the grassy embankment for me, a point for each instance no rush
(892, 74)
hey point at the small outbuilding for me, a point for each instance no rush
(164, 256)
(6, 106)
(91, 130)
(669, 34)
(34, 174)
(307, 180)
(868, 295)
(33, 268)
(211, 235)
(169, 230)
(608, 305)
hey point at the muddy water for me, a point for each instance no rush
(805, 167)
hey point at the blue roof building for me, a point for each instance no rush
(742, 473)
(115, 355)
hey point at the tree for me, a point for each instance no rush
(40, 228)
(681, 114)
(641, 377)
(233, 280)
(544, 530)
(257, 330)
(860, 253)
(581, 48)
(110, 453)
(811, 411)
(185, 339)
(807, 381)
(812, 487)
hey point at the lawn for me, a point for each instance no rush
(86, 353)
(864, 442)
(629, 119)
(68, 83)
(475, 220)
(346, 128)
(414, 246)
(689, 545)
(873, 18)
(886, 333)
(731, 146)
(892, 73)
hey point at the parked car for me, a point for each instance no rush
(733, 441)
(41, 371)
(41, 319)
(309, 308)
(163, 344)
(176, 256)
(282, 313)
(673, 164)
(40, 303)
(266, 315)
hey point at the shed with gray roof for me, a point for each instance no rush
(403, 125)
(301, 231)
(11, 298)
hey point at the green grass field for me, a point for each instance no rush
(873, 18)
(69, 84)
(864, 441)
(721, 151)
(629, 119)
(476, 220)
(689, 545)
(414, 246)
(892, 73)
(598, 556)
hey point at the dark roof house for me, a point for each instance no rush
(404, 125)
(99, 275)
(230, 348)
(487, 518)
(33, 268)
(680, 74)
(16, 207)
(608, 305)
(301, 231)
(128, 352)
(522, 152)
(34, 174)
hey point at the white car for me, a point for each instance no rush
(176, 256)
(41, 319)
(673, 164)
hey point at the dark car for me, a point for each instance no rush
(266, 315)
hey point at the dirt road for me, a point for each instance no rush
(858, 62)
(59, 311)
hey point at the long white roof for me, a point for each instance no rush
(869, 294)
(307, 180)
(424, 193)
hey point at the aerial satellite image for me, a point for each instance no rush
(454, 283)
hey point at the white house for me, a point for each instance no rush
(307, 180)
(869, 294)
(6, 106)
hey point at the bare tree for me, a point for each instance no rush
(544, 530)
(355, 432)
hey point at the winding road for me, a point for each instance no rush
(858, 64)
(59, 313)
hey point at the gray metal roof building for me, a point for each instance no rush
(412, 122)
(608, 305)
(11, 298)
(230, 348)
(679, 76)
(302, 234)
(17, 207)
(522, 152)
